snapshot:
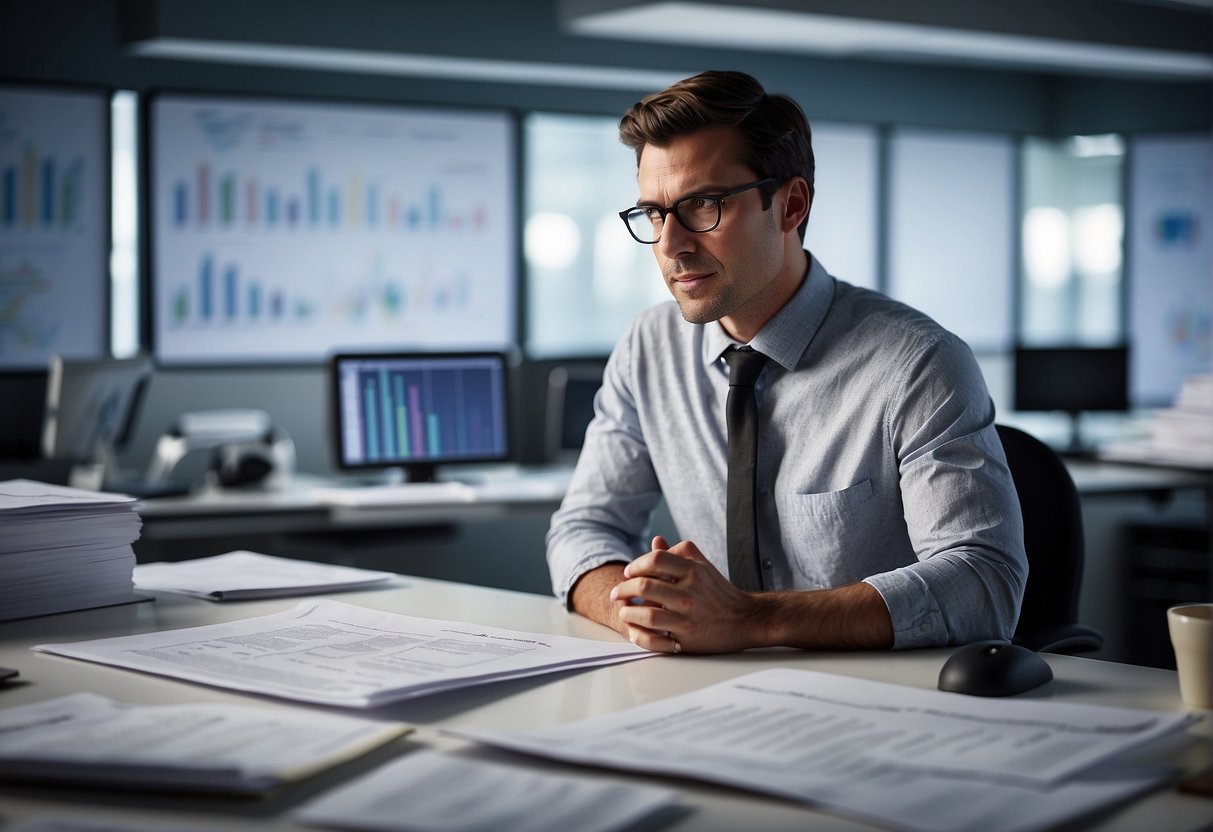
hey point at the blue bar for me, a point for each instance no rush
(313, 196)
(271, 208)
(254, 301)
(385, 403)
(229, 292)
(371, 431)
(334, 207)
(205, 278)
(48, 191)
(10, 195)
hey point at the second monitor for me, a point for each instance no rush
(418, 410)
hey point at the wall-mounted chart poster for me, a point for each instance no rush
(283, 231)
(1171, 264)
(54, 224)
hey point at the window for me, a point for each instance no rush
(586, 277)
(1072, 268)
(951, 231)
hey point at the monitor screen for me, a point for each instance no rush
(283, 231)
(1071, 379)
(54, 224)
(91, 406)
(417, 410)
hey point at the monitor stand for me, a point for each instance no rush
(419, 472)
(1078, 447)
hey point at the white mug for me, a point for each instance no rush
(1191, 627)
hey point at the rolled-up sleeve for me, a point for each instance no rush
(960, 506)
(614, 489)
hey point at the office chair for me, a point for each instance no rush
(1053, 537)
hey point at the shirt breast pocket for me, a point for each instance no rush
(830, 537)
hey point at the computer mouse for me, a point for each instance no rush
(993, 668)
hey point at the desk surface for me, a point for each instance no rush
(526, 704)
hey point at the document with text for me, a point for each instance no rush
(427, 791)
(243, 574)
(91, 740)
(332, 653)
(895, 755)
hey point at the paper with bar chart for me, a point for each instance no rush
(285, 231)
(53, 224)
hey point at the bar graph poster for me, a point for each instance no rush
(53, 225)
(1171, 264)
(283, 232)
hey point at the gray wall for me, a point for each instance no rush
(84, 41)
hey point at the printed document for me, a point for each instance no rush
(242, 574)
(895, 755)
(431, 792)
(330, 653)
(89, 739)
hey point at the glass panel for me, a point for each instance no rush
(951, 230)
(586, 277)
(842, 223)
(1072, 241)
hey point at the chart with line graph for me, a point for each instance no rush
(284, 231)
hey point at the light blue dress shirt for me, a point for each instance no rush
(877, 460)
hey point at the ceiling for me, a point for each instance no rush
(1165, 39)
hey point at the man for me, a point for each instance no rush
(884, 512)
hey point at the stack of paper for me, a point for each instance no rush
(894, 755)
(242, 574)
(331, 653)
(88, 739)
(64, 548)
(1179, 435)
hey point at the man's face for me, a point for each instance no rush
(726, 274)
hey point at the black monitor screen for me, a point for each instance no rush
(419, 409)
(1071, 379)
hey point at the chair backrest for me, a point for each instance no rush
(1053, 537)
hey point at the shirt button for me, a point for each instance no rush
(767, 564)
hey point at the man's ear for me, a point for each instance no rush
(796, 204)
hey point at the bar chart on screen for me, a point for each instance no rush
(53, 224)
(347, 226)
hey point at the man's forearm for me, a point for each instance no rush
(591, 595)
(852, 617)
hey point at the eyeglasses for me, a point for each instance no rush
(698, 213)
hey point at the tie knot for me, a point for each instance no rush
(745, 363)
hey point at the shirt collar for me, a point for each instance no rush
(786, 336)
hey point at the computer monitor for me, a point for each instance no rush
(418, 410)
(570, 409)
(91, 408)
(1073, 380)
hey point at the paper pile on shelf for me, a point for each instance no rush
(64, 548)
(1180, 435)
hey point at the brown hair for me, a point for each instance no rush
(776, 138)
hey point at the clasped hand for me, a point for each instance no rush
(673, 600)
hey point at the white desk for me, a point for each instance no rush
(529, 703)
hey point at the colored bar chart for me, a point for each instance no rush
(38, 192)
(296, 229)
(421, 413)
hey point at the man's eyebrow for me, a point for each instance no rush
(704, 190)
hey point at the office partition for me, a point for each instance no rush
(54, 224)
(283, 230)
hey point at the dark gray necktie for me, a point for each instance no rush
(741, 415)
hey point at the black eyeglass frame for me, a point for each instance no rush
(673, 209)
